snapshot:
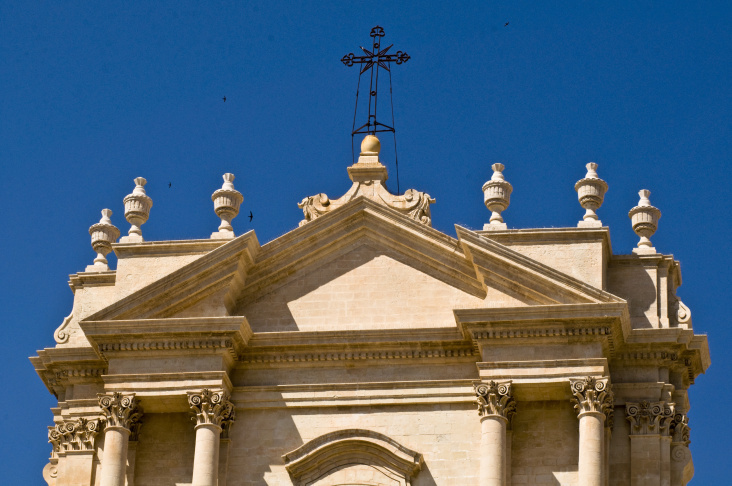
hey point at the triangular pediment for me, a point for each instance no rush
(392, 265)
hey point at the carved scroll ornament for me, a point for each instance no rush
(74, 435)
(212, 407)
(649, 418)
(495, 399)
(121, 411)
(593, 395)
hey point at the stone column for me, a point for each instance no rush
(496, 407)
(214, 414)
(592, 399)
(73, 451)
(123, 414)
(649, 428)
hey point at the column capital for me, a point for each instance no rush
(593, 395)
(680, 429)
(212, 407)
(650, 418)
(495, 399)
(73, 435)
(121, 411)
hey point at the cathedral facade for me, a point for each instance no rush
(367, 348)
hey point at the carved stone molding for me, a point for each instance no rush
(495, 399)
(358, 355)
(532, 333)
(61, 335)
(680, 430)
(649, 418)
(213, 407)
(593, 395)
(73, 435)
(121, 411)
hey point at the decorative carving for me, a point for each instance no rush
(226, 206)
(645, 222)
(103, 234)
(61, 335)
(680, 430)
(548, 333)
(121, 411)
(137, 210)
(408, 354)
(593, 395)
(683, 314)
(497, 197)
(73, 435)
(590, 192)
(368, 176)
(649, 418)
(212, 407)
(495, 399)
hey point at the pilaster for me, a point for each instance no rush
(650, 442)
(682, 467)
(72, 457)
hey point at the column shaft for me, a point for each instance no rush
(206, 459)
(114, 461)
(493, 450)
(591, 448)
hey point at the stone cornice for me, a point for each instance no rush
(210, 273)
(92, 279)
(495, 262)
(59, 367)
(145, 335)
(165, 248)
(551, 235)
(361, 221)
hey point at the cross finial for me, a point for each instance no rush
(381, 58)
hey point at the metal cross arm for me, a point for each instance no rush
(382, 58)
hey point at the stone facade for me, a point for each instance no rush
(365, 347)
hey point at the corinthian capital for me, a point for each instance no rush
(495, 399)
(74, 435)
(649, 418)
(121, 411)
(212, 407)
(593, 395)
(680, 429)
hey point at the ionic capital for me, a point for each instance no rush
(649, 418)
(593, 395)
(74, 435)
(212, 407)
(495, 399)
(121, 411)
(680, 429)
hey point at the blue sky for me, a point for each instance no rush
(94, 94)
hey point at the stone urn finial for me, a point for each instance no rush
(103, 234)
(590, 192)
(497, 197)
(137, 210)
(645, 222)
(226, 206)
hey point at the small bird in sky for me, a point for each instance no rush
(251, 216)
(506, 24)
(224, 98)
(170, 184)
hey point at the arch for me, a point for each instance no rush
(341, 449)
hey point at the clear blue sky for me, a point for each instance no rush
(93, 94)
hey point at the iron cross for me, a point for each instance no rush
(381, 59)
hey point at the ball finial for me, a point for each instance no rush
(370, 146)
